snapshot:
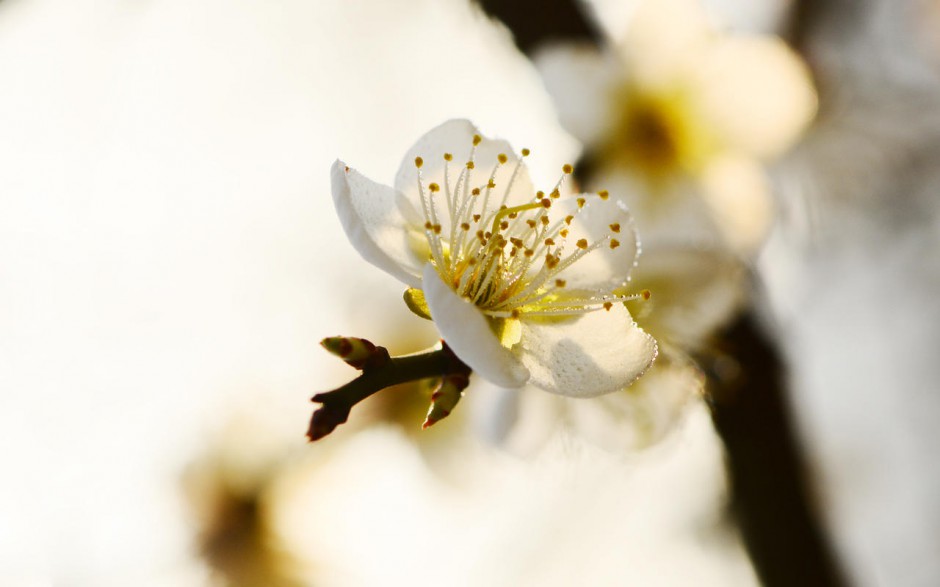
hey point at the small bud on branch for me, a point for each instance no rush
(445, 398)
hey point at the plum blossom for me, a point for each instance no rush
(525, 287)
(686, 114)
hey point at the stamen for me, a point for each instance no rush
(516, 268)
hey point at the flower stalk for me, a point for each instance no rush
(379, 371)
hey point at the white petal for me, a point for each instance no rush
(694, 292)
(755, 93)
(595, 354)
(664, 39)
(581, 82)
(675, 214)
(373, 222)
(605, 267)
(640, 415)
(738, 192)
(521, 421)
(456, 138)
(467, 332)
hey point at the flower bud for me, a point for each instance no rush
(445, 398)
(357, 352)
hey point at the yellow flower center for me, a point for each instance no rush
(508, 260)
(657, 135)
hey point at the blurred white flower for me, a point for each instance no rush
(686, 114)
(524, 286)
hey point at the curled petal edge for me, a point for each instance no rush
(358, 231)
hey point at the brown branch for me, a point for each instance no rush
(536, 22)
(378, 375)
(770, 496)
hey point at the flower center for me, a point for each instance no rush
(657, 135)
(510, 260)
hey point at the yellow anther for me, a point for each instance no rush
(491, 184)
(604, 194)
(504, 225)
(560, 283)
(567, 168)
(539, 195)
(546, 203)
(525, 152)
(529, 252)
(515, 313)
(581, 202)
(568, 219)
(437, 229)
(549, 242)
(615, 227)
(563, 232)
(502, 158)
(475, 191)
(434, 187)
(555, 194)
(608, 306)
(582, 244)
(476, 217)
(428, 225)
(470, 165)
(465, 225)
(448, 157)
(544, 220)
(614, 243)
(476, 140)
(419, 162)
(646, 294)
(531, 223)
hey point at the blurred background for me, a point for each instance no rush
(170, 259)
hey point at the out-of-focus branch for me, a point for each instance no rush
(534, 22)
(769, 484)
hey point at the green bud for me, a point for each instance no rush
(445, 398)
(357, 352)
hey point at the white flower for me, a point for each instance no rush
(687, 114)
(524, 286)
